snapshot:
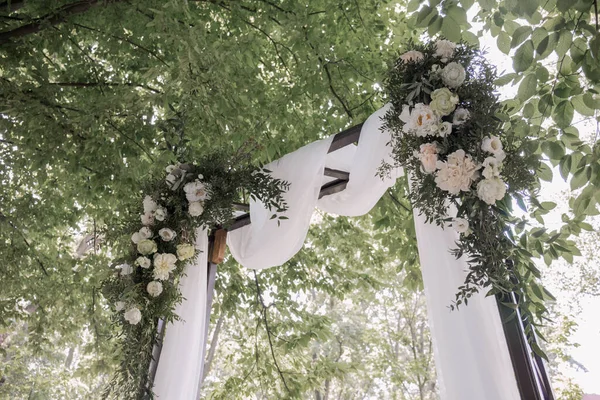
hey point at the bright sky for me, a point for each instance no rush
(588, 331)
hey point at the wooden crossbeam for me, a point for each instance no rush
(342, 139)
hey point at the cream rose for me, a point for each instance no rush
(443, 101)
(149, 205)
(453, 75)
(461, 225)
(147, 218)
(196, 191)
(136, 238)
(185, 251)
(143, 262)
(133, 316)
(120, 305)
(146, 247)
(491, 190)
(154, 288)
(167, 234)
(196, 208)
(160, 214)
(412, 56)
(145, 232)
(491, 168)
(444, 49)
(457, 173)
(126, 269)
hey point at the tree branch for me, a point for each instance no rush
(54, 18)
(100, 84)
(131, 42)
(12, 225)
(264, 313)
(130, 139)
(12, 5)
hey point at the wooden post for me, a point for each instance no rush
(217, 253)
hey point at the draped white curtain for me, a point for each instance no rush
(470, 349)
(181, 360)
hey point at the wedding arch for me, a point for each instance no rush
(482, 351)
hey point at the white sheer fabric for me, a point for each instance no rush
(471, 356)
(182, 357)
(265, 243)
(365, 186)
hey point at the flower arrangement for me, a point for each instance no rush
(447, 130)
(144, 286)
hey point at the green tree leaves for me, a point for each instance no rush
(523, 58)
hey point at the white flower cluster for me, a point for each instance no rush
(162, 264)
(439, 118)
(196, 192)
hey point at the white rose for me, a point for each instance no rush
(146, 247)
(167, 234)
(196, 208)
(149, 205)
(133, 316)
(453, 75)
(154, 288)
(461, 225)
(444, 49)
(145, 232)
(160, 214)
(412, 56)
(164, 263)
(491, 167)
(492, 144)
(491, 190)
(457, 173)
(185, 251)
(170, 168)
(120, 305)
(445, 129)
(461, 115)
(147, 218)
(137, 237)
(143, 262)
(126, 269)
(196, 191)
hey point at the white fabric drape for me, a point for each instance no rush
(471, 356)
(181, 360)
(265, 242)
(363, 161)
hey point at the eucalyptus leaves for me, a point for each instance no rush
(144, 287)
(448, 135)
